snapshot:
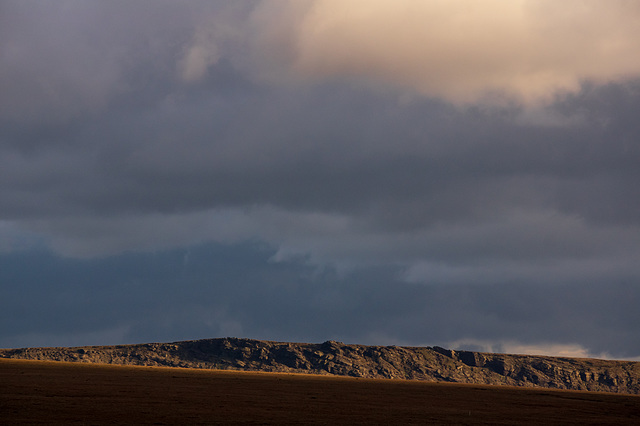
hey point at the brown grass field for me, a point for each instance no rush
(37, 392)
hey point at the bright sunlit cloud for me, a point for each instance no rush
(460, 50)
(569, 350)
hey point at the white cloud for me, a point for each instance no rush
(569, 350)
(199, 56)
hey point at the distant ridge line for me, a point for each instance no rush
(434, 364)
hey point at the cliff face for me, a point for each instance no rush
(391, 362)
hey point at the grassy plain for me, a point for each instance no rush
(40, 392)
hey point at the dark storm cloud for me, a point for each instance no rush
(320, 150)
(132, 128)
(459, 177)
(228, 290)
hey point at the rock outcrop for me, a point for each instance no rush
(389, 362)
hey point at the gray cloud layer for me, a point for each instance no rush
(235, 290)
(133, 128)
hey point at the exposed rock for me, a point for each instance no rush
(392, 362)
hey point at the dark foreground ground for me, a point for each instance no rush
(37, 392)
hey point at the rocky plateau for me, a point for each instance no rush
(434, 364)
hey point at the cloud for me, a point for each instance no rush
(513, 347)
(217, 32)
(75, 58)
(461, 50)
(216, 290)
(389, 191)
(451, 196)
(202, 53)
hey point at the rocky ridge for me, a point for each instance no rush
(389, 362)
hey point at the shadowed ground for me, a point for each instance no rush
(37, 392)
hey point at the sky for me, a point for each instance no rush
(454, 173)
